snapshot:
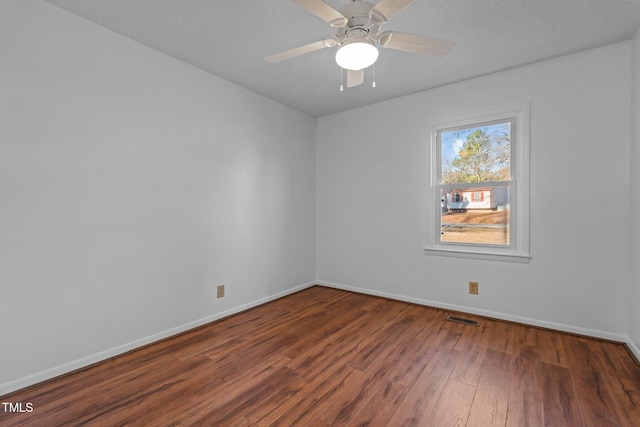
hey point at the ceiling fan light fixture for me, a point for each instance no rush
(356, 55)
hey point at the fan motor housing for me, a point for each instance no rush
(359, 25)
(357, 13)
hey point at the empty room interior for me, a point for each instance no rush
(206, 220)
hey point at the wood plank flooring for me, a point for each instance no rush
(325, 357)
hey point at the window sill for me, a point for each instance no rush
(490, 256)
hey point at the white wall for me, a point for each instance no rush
(372, 170)
(131, 185)
(634, 282)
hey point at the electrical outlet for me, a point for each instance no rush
(473, 288)
(220, 291)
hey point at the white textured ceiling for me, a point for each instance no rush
(230, 38)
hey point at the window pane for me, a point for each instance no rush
(476, 154)
(467, 218)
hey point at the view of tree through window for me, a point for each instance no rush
(477, 154)
(475, 184)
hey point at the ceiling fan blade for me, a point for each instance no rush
(386, 9)
(355, 78)
(416, 44)
(292, 53)
(324, 12)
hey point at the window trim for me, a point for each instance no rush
(518, 249)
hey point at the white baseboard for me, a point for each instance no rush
(633, 348)
(493, 314)
(56, 371)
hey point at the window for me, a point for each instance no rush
(479, 186)
(478, 196)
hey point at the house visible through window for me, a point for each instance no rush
(478, 166)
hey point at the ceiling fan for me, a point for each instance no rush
(357, 33)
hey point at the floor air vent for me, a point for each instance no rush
(463, 320)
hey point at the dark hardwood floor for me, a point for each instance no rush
(324, 357)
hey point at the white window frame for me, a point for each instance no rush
(518, 248)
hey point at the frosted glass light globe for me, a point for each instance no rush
(356, 56)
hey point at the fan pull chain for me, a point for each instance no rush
(373, 84)
(341, 79)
